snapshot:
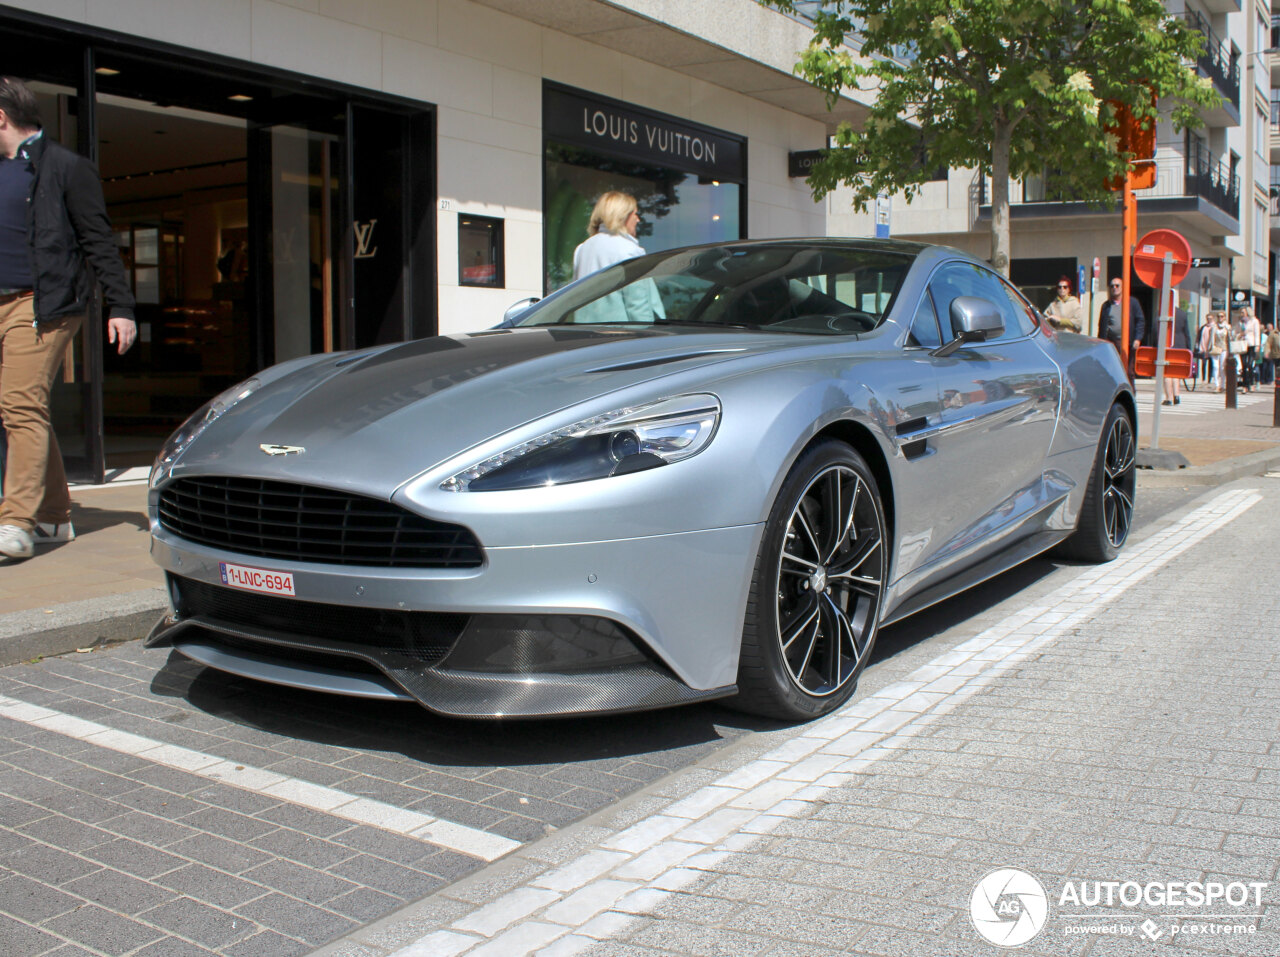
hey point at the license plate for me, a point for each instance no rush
(256, 579)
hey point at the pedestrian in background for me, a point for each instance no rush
(1270, 353)
(1218, 335)
(54, 239)
(1201, 348)
(611, 234)
(1251, 330)
(1064, 313)
(1179, 338)
(611, 239)
(1110, 318)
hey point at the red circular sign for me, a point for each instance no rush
(1148, 258)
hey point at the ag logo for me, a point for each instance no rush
(1008, 907)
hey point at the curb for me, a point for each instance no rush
(1219, 473)
(69, 626)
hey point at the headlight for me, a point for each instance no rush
(197, 423)
(621, 442)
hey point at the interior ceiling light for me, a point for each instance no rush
(106, 71)
(240, 98)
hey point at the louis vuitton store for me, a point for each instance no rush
(689, 180)
(286, 178)
(259, 219)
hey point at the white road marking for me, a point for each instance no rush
(1200, 402)
(590, 899)
(350, 807)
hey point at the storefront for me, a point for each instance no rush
(689, 180)
(286, 180)
(260, 216)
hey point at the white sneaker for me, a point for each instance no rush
(46, 534)
(15, 542)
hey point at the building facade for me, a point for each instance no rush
(293, 176)
(1212, 186)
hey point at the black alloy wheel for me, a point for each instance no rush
(1119, 480)
(1107, 512)
(816, 594)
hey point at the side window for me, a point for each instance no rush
(966, 279)
(924, 327)
(1023, 311)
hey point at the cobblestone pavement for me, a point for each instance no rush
(153, 808)
(163, 810)
(1106, 726)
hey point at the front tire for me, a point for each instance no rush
(1107, 512)
(819, 579)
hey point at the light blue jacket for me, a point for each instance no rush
(637, 302)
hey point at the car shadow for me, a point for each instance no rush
(672, 736)
(407, 729)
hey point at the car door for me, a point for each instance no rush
(999, 404)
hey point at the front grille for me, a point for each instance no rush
(424, 636)
(308, 524)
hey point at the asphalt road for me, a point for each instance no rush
(151, 807)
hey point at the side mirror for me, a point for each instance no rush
(515, 311)
(975, 320)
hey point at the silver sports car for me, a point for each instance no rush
(712, 472)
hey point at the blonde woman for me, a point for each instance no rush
(1219, 337)
(611, 239)
(611, 234)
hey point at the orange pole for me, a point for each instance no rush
(1130, 237)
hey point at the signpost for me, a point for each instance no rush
(1162, 259)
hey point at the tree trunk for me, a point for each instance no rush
(1002, 135)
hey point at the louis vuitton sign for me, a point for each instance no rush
(619, 129)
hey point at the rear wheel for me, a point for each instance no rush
(815, 595)
(1107, 512)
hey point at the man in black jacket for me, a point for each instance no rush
(53, 231)
(1109, 318)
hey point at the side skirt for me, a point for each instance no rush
(1016, 554)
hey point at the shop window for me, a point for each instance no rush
(480, 251)
(676, 208)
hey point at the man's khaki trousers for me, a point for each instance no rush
(35, 485)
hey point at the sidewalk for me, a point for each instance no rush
(104, 587)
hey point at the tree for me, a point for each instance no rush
(1004, 87)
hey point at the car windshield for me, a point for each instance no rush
(782, 287)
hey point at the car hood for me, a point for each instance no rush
(370, 421)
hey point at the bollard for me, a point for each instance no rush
(1275, 411)
(1230, 360)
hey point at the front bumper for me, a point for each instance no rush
(545, 630)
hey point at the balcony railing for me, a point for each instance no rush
(1218, 62)
(1175, 177)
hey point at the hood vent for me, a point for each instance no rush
(664, 360)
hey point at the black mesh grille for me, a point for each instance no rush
(308, 524)
(421, 635)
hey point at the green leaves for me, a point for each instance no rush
(1030, 75)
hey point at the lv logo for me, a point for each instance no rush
(364, 239)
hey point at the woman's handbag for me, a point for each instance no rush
(1239, 347)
